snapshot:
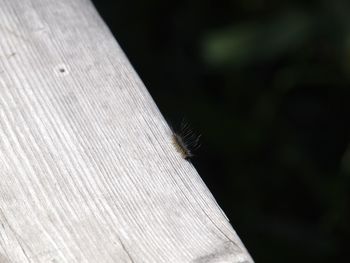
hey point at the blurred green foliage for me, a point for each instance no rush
(251, 42)
(267, 85)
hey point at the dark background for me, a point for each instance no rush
(266, 83)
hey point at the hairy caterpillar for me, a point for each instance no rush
(185, 141)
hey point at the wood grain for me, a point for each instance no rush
(88, 169)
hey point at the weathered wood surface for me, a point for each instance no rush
(88, 170)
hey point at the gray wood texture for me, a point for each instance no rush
(88, 171)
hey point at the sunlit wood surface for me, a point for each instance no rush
(88, 171)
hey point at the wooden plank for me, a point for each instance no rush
(88, 169)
